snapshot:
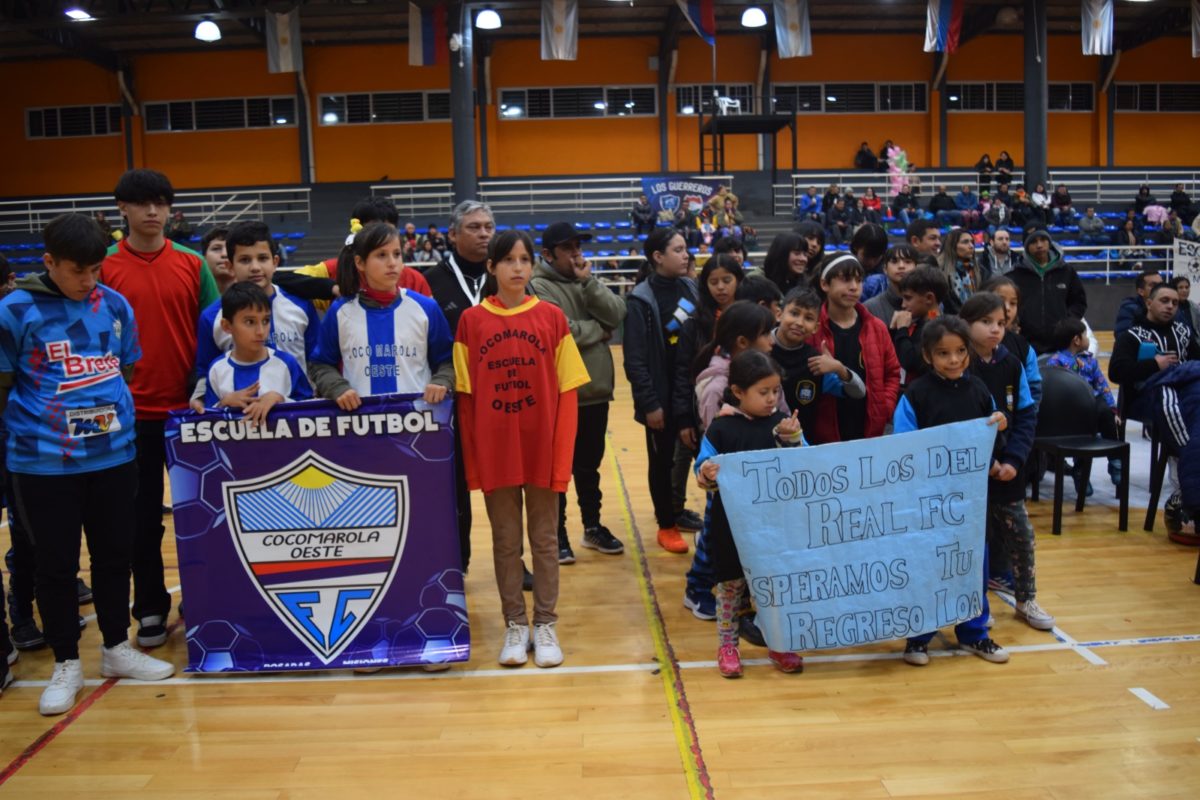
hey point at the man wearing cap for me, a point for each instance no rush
(593, 312)
(1050, 290)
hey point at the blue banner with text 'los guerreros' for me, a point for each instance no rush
(857, 542)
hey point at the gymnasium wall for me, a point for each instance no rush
(517, 147)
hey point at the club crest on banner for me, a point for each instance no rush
(321, 543)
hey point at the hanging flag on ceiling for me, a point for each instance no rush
(793, 37)
(702, 17)
(943, 25)
(560, 30)
(283, 42)
(428, 42)
(1097, 27)
(1195, 28)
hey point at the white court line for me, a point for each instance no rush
(415, 673)
(1059, 634)
(1149, 699)
(92, 617)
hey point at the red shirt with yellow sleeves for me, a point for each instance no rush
(516, 371)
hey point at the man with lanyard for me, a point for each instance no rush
(457, 284)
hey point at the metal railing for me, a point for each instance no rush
(527, 196)
(1099, 187)
(201, 208)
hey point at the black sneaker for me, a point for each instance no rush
(565, 554)
(916, 654)
(82, 622)
(152, 631)
(7, 679)
(527, 583)
(85, 592)
(1173, 516)
(987, 650)
(601, 538)
(27, 636)
(687, 520)
(749, 632)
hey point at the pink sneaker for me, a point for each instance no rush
(729, 661)
(786, 662)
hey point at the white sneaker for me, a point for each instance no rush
(65, 683)
(7, 680)
(13, 656)
(546, 652)
(1035, 615)
(123, 661)
(516, 645)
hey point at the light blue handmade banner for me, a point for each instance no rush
(858, 542)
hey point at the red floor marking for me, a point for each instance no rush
(49, 736)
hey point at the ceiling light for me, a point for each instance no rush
(754, 17)
(207, 31)
(79, 15)
(488, 20)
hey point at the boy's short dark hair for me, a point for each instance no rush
(917, 228)
(935, 329)
(728, 244)
(803, 297)
(1140, 281)
(758, 289)
(247, 234)
(926, 279)
(376, 209)
(1065, 332)
(144, 186)
(901, 252)
(75, 237)
(1158, 287)
(242, 295)
(870, 239)
(212, 235)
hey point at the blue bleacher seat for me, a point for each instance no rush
(601, 226)
(582, 226)
(522, 226)
(278, 236)
(605, 253)
(642, 237)
(624, 225)
(604, 237)
(625, 237)
(541, 226)
(296, 235)
(503, 228)
(896, 232)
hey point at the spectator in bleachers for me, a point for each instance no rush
(1142, 199)
(1049, 288)
(1127, 239)
(985, 168)
(1003, 195)
(831, 194)
(641, 216)
(729, 220)
(905, 207)
(943, 208)
(1004, 168)
(811, 207)
(686, 223)
(425, 254)
(1193, 232)
(872, 206)
(1024, 213)
(997, 216)
(409, 241)
(1134, 306)
(1181, 203)
(705, 231)
(997, 257)
(838, 229)
(1041, 201)
(865, 159)
(434, 236)
(212, 247)
(719, 198)
(1060, 204)
(102, 220)
(1091, 228)
(1189, 312)
(179, 230)
(967, 204)
(884, 155)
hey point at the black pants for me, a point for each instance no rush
(660, 453)
(462, 497)
(150, 597)
(585, 466)
(20, 562)
(54, 508)
(1106, 421)
(681, 475)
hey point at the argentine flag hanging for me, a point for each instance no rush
(1097, 27)
(792, 33)
(560, 30)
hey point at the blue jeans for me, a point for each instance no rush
(973, 630)
(700, 576)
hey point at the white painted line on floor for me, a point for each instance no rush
(1149, 699)
(415, 673)
(1059, 634)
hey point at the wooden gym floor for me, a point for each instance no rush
(1108, 706)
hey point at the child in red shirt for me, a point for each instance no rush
(516, 369)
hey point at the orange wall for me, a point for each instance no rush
(56, 166)
(1156, 139)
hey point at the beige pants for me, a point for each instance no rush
(504, 512)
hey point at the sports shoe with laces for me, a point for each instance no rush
(546, 652)
(729, 661)
(65, 683)
(84, 591)
(1035, 615)
(515, 651)
(7, 680)
(1002, 583)
(601, 538)
(526, 579)
(670, 540)
(786, 662)
(702, 605)
(565, 554)
(122, 661)
(916, 654)
(748, 631)
(27, 635)
(688, 520)
(987, 650)
(152, 631)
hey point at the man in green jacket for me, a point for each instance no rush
(593, 312)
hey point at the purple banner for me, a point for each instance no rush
(320, 540)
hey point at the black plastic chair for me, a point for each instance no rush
(1067, 428)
